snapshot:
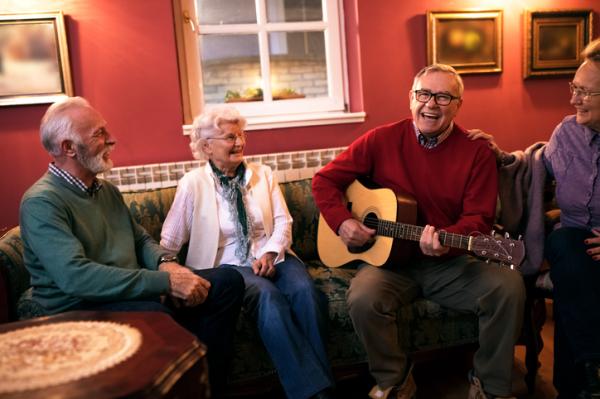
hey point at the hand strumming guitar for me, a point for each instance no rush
(355, 234)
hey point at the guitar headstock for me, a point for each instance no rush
(501, 249)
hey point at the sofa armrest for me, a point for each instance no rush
(13, 269)
(3, 297)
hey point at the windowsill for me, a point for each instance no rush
(295, 120)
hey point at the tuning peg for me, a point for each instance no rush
(506, 235)
(512, 267)
(520, 237)
(487, 261)
(493, 233)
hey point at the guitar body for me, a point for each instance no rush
(362, 202)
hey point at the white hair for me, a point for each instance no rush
(592, 51)
(208, 124)
(441, 68)
(57, 124)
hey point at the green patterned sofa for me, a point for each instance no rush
(425, 325)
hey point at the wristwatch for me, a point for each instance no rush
(167, 258)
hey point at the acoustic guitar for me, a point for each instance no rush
(394, 217)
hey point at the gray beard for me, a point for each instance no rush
(95, 164)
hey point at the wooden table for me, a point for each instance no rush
(170, 362)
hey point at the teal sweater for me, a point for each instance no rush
(81, 248)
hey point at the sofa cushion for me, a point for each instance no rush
(302, 207)
(149, 208)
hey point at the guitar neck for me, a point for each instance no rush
(413, 233)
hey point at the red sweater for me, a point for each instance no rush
(455, 183)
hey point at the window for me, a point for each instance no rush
(275, 60)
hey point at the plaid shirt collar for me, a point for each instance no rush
(91, 191)
(432, 142)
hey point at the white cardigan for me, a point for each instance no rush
(193, 217)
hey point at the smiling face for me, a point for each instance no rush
(588, 109)
(96, 144)
(225, 155)
(432, 119)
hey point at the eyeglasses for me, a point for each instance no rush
(423, 96)
(230, 138)
(578, 91)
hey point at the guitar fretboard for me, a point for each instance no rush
(413, 233)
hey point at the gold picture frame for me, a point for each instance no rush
(554, 40)
(34, 60)
(468, 40)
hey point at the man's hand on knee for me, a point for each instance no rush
(186, 285)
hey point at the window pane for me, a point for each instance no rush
(294, 10)
(230, 68)
(298, 65)
(218, 12)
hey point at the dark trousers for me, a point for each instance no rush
(213, 322)
(575, 276)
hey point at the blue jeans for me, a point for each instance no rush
(213, 322)
(291, 316)
(575, 276)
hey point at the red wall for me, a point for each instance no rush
(123, 60)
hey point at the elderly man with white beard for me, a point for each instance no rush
(85, 251)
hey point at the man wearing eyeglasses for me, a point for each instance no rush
(454, 181)
(572, 158)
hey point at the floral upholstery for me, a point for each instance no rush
(423, 325)
(302, 207)
(150, 208)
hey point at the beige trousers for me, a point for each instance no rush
(494, 293)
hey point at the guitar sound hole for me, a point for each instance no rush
(371, 221)
(365, 247)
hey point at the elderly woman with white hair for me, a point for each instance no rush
(233, 215)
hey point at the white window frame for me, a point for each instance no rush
(268, 113)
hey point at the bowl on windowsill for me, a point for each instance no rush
(255, 94)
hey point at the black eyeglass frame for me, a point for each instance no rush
(436, 97)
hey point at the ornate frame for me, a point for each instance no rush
(34, 60)
(469, 40)
(554, 40)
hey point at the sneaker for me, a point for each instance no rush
(406, 390)
(476, 389)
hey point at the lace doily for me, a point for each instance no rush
(52, 354)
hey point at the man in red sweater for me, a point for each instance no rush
(454, 181)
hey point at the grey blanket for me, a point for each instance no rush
(521, 191)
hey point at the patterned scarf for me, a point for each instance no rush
(233, 193)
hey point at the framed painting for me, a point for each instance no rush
(470, 40)
(554, 40)
(34, 61)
